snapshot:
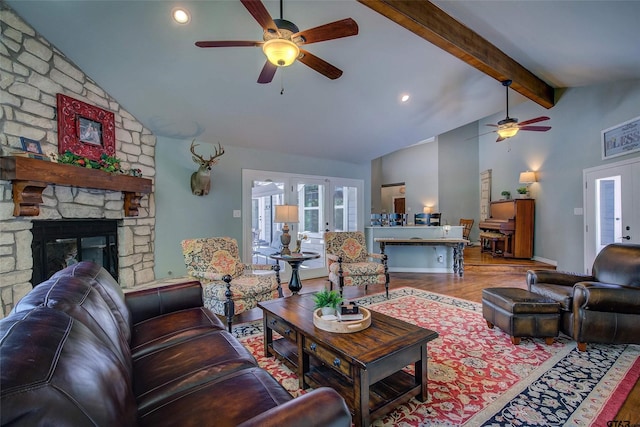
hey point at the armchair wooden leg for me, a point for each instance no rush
(386, 274)
(582, 346)
(229, 305)
(340, 275)
(276, 268)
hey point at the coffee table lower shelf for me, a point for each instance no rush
(384, 395)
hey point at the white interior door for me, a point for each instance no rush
(611, 207)
(324, 203)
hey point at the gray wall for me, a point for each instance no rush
(417, 167)
(181, 215)
(459, 176)
(558, 156)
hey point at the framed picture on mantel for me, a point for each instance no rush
(84, 129)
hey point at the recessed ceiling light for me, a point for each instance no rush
(180, 15)
(404, 98)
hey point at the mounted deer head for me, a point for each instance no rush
(201, 179)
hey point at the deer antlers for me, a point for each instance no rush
(212, 160)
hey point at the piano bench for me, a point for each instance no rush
(489, 242)
(521, 313)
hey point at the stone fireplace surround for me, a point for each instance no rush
(33, 71)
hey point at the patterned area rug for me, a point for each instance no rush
(477, 377)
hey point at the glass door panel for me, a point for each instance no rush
(310, 196)
(265, 233)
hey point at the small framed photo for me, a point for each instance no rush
(89, 131)
(31, 145)
(621, 139)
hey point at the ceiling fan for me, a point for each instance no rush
(509, 126)
(282, 40)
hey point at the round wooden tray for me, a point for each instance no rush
(344, 327)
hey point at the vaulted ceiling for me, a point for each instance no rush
(150, 64)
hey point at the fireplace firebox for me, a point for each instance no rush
(60, 243)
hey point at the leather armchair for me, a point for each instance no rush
(603, 307)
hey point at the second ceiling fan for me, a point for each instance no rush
(509, 126)
(282, 40)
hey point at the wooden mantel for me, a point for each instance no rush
(31, 176)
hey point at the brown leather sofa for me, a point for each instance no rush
(76, 351)
(603, 307)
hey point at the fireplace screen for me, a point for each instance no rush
(59, 244)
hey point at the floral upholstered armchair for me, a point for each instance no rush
(229, 286)
(350, 264)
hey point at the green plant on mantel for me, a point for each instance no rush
(506, 194)
(106, 163)
(522, 190)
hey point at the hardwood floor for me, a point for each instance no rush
(481, 271)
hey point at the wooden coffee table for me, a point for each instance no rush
(365, 367)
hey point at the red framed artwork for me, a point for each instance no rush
(85, 130)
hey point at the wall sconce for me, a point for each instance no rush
(527, 178)
(427, 209)
(286, 214)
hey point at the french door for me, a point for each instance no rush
(611, 207)
(324, 204)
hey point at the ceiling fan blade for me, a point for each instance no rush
(228, 43)
(536, 128)
(500, 139)
(320, 65)
(267, 73)
(536, 120)
(260, 14)
(491, 124)
(334, 30)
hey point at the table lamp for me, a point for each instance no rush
(286, 214)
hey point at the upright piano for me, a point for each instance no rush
(513, 219)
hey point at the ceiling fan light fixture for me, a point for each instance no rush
(281, 52)
(508, 131)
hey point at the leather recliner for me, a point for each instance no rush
(603, 307)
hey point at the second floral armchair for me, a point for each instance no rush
(350, 264)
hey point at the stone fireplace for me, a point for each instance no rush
(59, 244)
(33, 73)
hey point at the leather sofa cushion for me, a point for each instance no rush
(618, 264)
(246, 392)
(79, 299)
(173, 370)
(560, 293)
(108, 287)
(172, 328)
(61, 362)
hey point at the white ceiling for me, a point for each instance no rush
(150, 65)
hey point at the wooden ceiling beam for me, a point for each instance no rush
(428, 21)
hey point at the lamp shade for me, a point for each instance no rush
(527, 177)
(427, 209)
(281, 52)
(286, 213)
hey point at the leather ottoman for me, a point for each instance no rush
(521, 313)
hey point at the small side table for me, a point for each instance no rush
(295, 260)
